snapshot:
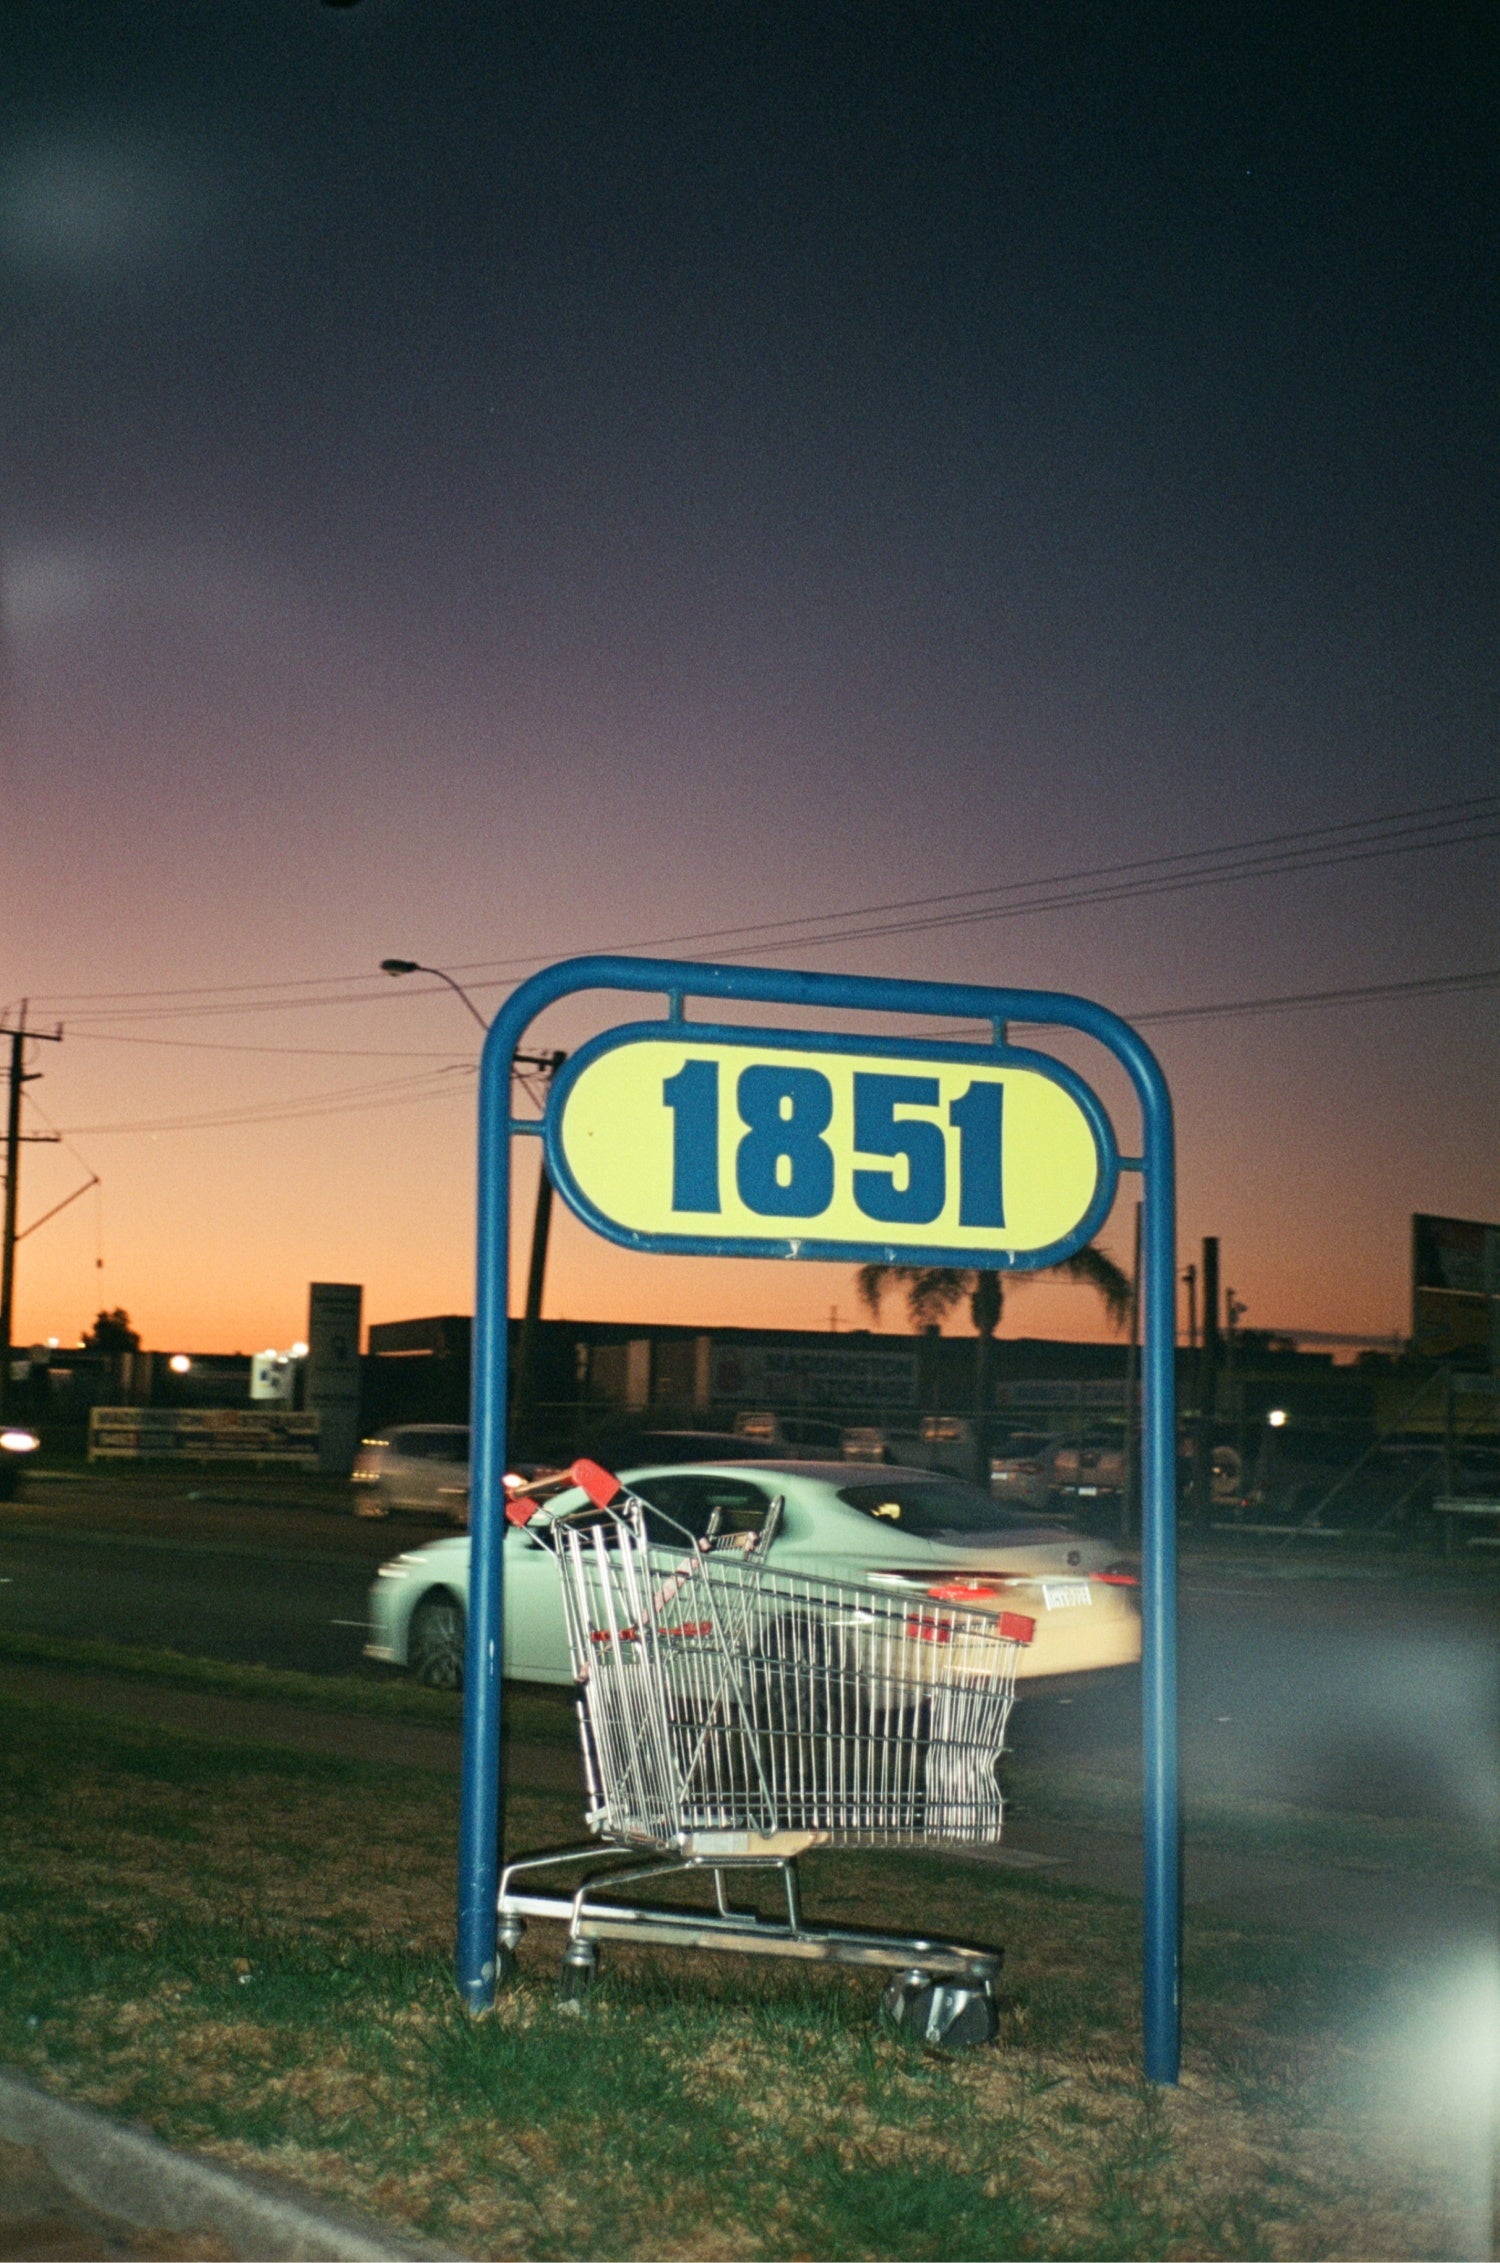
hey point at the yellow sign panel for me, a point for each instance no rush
(777, 1143)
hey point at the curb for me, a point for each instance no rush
(124, 2172)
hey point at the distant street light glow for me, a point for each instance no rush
(1277, 1418)
(179, 1363)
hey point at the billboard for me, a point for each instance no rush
(811, 1377)
(1455, 1274)
(202, 1434)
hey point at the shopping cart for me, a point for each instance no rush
(732, 1715)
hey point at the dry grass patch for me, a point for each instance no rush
(249, 1951)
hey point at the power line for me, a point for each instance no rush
(349, 1099)
(298, 1052)
(1360, 994)
(1161, 885)
(1264, 857)
(430, 1085)
(1475, 818)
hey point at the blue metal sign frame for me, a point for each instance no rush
(678, 981)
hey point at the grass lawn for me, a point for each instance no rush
(248, 1949)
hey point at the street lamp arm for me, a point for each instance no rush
(415, 966)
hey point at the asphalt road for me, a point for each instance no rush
(271, 1605)
(1374, 1695)
(1379, 1694)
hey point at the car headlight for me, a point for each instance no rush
(19, 1441)
(399, 1567)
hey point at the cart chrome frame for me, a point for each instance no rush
(732, 1716)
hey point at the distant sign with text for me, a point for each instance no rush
(677, 1137)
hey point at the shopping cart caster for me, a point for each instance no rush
(580, 1969)
(943, 2014)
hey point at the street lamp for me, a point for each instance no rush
(414, 966)
(545, 1065)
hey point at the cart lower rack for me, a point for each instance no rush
(733, 1715)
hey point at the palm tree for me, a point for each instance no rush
(932, 1291)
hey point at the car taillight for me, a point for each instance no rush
(1008, 1626)
(1115, 1579)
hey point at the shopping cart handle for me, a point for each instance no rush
(602, 1489)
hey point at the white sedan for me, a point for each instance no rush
(901, 1528)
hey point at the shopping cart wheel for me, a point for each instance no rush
(505, 1966)
(943, 2014)
(580, 1969)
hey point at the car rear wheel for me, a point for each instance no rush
(435, 1648)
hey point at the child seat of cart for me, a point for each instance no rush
(722, 1515)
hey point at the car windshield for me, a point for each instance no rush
(935, 1508)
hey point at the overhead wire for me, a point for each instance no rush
(1475, 818)
(344, 1100)
(429, 1084)
(298, 1052)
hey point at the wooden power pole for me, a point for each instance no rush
(15, 1139)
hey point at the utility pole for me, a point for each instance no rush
(523, 1067)
(1208, 1377)
(1235, 1309)
(1130, 1489)
(546, 1066)
(15, 1139)
(1190, 1276)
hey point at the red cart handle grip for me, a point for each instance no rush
(602, 1489)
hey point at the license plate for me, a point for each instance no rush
(1066, 1594)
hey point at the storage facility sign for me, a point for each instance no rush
(836, 1376)
(684, 1138)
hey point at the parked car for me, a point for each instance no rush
(1021, 1476)
(1088, 1469)
(901, 1528)
(16, 1447)
(421, 1465)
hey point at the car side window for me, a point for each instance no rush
(678, 1500)
(691, 1501)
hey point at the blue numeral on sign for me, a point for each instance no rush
(784, 1168)
(878, 1132)
(693, 1097)
(978, 1113)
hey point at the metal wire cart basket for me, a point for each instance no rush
(733, 1715)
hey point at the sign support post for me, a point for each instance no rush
(695, 1164)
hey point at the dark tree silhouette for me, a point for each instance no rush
(932, 1292)
(112, 1332)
